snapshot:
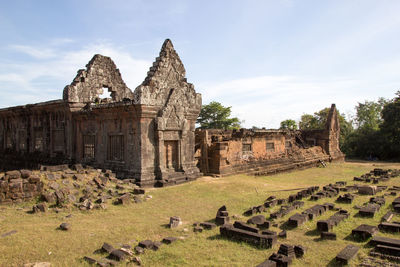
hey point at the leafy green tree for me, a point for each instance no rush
(308, 122)
(368, 114)
(288, 125)
(390, 127)
(216, 116)
(318, 121)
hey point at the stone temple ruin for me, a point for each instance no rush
(262, 152)
(149, 134)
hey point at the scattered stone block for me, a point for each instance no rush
(41, 207)
(244, 226)
(367, 190)
(139, 191)
(107, 248)
(262, 241)
(65, 226)
(118, 255)
(208, 225)
(388, 216)
(297, 219)
(282, 234)
(174, 222)
(346, 254)
(364, 231)
(385, 241)
(138, 250)
(346, 198)
(222, 216)
(198, 229)
(287, 250)
(258, 220)
(389, 227)
(156, 245)
(147, 244)
(369, 210)
(299, 251)
(281, 260)
(124, 199)
(324, 225)
(388, 250)
(169, 240)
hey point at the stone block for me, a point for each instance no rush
(364, 231)
(299, 251)
(147, 244)
(208, 225)
(244, 226)
(169, 240)
(367, 190)
(346, 254)
(174, 222)
(259, 219)
(389, 227)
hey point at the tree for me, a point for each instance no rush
(216, 116)
(318, 121)
(390, 127)
(288, 125)
(368, 114)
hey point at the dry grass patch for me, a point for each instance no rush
(38, 240)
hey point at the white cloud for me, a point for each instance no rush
(265, 101)
(53, 67)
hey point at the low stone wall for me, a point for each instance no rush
(18, 186)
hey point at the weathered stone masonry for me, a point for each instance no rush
(262, 152)
(147, 134)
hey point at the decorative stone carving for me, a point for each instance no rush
(100, 73)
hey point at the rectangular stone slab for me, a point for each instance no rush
(346, 254)
(380, 240)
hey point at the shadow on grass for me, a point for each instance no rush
(314, 232)
(286, 226)
(220, 237)
(334, 263)
(165, 225)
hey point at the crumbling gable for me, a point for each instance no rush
(166, 86)
(100, 74)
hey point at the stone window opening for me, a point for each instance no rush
(22, 140)
(107, 93)
(270, 146)
(89, 146)
(9, 143)
(288, 145)
(246, 147)
(115, 148)
(171, 155)
(38, 145)
(58, 140)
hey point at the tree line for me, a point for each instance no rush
(372, 133)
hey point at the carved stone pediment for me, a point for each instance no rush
(166, 86)
(88, 84)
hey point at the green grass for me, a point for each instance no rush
(38, 240)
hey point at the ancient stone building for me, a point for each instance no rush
(263, 152)
(147, 135)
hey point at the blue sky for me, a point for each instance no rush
(269, 60)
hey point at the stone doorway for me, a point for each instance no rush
(171, 155)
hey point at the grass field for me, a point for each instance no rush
(37, 239)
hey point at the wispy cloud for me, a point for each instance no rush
(265, 101)
(52, 67)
